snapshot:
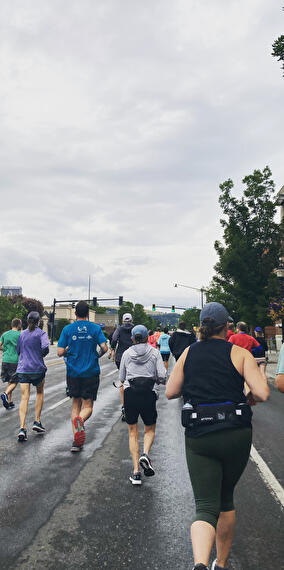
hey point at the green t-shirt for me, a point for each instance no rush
(9, 340)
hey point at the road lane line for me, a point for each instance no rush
(54, 362)
(267, 476)
(58, 404)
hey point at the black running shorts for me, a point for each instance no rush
(31, 378)
(8, 372)
(165, 356)
(85, 388)
(143, 404)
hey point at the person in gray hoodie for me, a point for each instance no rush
(141, 370)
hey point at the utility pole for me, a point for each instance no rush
(202, 291)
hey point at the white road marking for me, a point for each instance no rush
(58, 404)
(110, 373)
(267, 476)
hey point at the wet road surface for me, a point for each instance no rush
(62, 510)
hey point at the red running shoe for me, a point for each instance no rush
(79, 436)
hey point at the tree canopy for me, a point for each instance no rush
(245, 278)
(191, 318)
(9, 311)
(278, 50)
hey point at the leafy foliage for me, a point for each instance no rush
(9, 311)
(245, 279)
(29, 303)
(191, 317)
(278, 50)
(60, 324)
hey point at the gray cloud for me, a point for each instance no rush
(118, 122)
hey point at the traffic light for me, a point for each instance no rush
(120, 301)
(95, 301)
(153, 307)
(73, 305)
(173, 309)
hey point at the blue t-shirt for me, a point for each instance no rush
(82, 339)
(163, 343)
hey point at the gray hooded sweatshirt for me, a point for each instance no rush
(142, 360)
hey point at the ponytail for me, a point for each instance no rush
(209, 329)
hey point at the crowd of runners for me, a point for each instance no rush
(220, 373)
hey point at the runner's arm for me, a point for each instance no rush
(114, 338)
(280, 382)
(160, 369)
(255, 378)
(103, 349)
(176, 379)
(122, 369)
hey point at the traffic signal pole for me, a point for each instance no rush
(94, 300)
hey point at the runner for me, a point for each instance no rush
(259, 351)
(157, 334)
(78, 342)
(241, 338)
(210, 375)
(152, 339)
(181, 339)
(231, 330)
(121, 341)
(33, 345)
(163, 345)
(8, 343)
(140, 372)
(280, 370)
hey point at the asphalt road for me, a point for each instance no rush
(60, 510)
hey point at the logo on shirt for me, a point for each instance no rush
(82, 329)
(74, 337)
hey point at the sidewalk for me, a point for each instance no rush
(271, 366)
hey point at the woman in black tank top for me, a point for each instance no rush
(211, 374)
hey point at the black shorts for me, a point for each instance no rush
(165, 356)
(143, 404)
(85, 388)
(8, 372)
(30, 378)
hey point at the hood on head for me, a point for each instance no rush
(140, 353)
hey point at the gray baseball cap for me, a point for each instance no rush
(139, 331)
(215, 312)
(127, 318)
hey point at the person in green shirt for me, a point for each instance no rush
(8, 343)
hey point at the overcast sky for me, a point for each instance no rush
(118, 121)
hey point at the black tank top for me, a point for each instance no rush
(209, 374)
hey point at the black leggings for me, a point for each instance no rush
(215, 462)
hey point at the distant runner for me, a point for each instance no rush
(78, 342)
(121, 341)
(242, 339)
(33, 345)
(181, 339)
(140, 372)
(8, 343)
(163, 345)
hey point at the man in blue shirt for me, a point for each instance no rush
(78, 343)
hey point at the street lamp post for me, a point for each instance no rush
(280, 276)
(201, 291)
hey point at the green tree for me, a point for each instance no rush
(249, 254)
(60, 324)
(29, 303)
(191, 317)
(9, 311)
(278, 50)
